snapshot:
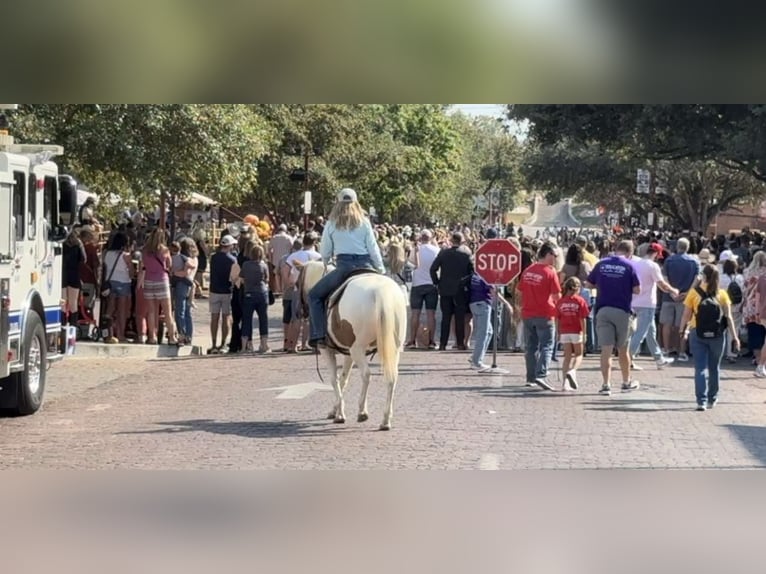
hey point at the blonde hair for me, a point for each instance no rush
(156, 242)
(347, 215)
(759, 261)
(254, 251)
(395, 257)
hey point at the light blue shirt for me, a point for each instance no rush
(359, 241)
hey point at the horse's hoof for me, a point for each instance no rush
(339, 420)
(362, 418)
(385, 427)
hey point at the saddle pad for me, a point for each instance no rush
(332, 300)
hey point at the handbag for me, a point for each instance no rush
(106, 288)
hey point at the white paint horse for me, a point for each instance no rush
(367, 315)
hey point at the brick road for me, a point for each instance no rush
(215, 412)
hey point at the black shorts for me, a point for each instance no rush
(427, 294)
(287, 310)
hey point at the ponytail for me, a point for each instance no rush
(712, 279)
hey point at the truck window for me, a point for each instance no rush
(5, 211)
(50, 202)
(32, 207)
(19, 191)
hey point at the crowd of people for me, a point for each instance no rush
(671, 295)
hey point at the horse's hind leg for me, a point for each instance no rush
(364, 367)
(389, 412)
(345, 376)
(340, 411)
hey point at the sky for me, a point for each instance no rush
(494, 110)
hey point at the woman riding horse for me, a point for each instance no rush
(348, 236)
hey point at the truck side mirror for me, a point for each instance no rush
(58, 233)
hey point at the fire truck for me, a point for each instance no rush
(36, 208)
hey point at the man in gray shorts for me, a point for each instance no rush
(617, 282)
(221, 265)
(423, 292)
(681, 270)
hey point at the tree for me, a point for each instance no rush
(489, 168)
(731, 134)
(696, 191)
(133, 150)
(711, 156)
(396, 156)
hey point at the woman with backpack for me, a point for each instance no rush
(734, 283)
(707, 315)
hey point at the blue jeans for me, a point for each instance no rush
(482, 329)
(344, 266)
(707, 354)
(255, 302)
(645, 329)
(539, 333)
(590, 325)
(183, 309)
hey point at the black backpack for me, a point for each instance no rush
(735, 292)
(710, 319)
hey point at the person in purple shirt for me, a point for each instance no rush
(616, 280)
(480, 303)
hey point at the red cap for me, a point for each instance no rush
(657, 248)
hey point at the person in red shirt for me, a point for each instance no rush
(571, 313)
(540, 289)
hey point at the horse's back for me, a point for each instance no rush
(366, 295)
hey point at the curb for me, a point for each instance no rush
(86, 350)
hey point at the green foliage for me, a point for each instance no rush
(133, 150)
(709, 157)
(411, 162)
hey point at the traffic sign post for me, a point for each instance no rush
(498, 262)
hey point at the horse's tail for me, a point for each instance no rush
(388, 335)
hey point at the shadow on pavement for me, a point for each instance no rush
(255, 429)
(638, 405)
(515, 391)
(753, 438)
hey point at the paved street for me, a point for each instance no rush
(232, 412)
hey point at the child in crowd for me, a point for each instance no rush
(571, 314)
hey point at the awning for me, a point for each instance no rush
(199, 199)
(193, 198)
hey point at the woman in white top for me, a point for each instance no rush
(730, 273)
(117, 279)
(183, 291)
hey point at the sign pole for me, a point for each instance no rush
(498, 262)
(494, 369)
(494, 330)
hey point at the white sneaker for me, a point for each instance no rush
(664, 362)
(571, 378)
(683, 358)
(543, 384)
(634, 367)
(760, 372)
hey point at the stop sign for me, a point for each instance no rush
(498, 262)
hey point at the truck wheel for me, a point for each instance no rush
(31, 381)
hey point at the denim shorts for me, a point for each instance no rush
(120, 289)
